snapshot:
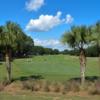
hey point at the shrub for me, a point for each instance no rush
(94, 89)
(28, 85)
(72, 86)
(54, 87)
(58, 87)
(45, 86)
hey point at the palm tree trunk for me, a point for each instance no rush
(8, 65)
(82, 59)
(82, 74)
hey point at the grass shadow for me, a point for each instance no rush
(1, 63)
(87, 78)
(31, 77)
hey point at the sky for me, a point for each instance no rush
(46, 20)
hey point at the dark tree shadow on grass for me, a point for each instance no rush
(31, 77)
(87, 78)
(1, 63)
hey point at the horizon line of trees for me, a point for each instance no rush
(29, 51)
(90, 51)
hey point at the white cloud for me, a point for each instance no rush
(47, 22)
(69, 19)
(44, 23)
(34, 5)
(51, 43)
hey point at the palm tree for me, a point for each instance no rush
(10, 34)
(77, 39)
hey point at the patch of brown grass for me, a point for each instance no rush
(69, 87)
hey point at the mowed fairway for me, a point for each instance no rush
(50, 67)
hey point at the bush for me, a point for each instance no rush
(45, 86)
(32, 85)
(94, 89)
(69, 86)
(54, 87)
(28, 85)
(72, 86)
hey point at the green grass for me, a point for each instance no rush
(51, 67)
(44, 96)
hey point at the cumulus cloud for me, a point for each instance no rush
(69, 19)
(34, 5)
(47, 22)
(44, 22)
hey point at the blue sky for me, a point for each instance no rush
(46, 20)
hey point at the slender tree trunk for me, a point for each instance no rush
(82, 59)
(8, 65)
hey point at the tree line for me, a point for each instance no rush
(90, 51)
(40, 50)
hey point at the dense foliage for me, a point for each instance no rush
(39, 50)
(90, 51)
